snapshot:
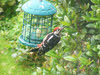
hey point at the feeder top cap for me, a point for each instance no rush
(39, 7)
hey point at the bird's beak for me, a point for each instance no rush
(61, 28)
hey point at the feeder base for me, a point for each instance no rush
(22, 41)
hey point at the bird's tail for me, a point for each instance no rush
(34, 49)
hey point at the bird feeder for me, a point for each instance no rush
(37, 21)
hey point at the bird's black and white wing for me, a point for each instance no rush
(49, 42)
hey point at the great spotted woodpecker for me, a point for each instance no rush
(49, 42)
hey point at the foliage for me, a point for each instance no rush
(79, 48)
(78, 53)
(10, 8)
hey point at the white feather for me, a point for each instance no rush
(50, 38)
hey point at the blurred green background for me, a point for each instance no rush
(78, 53)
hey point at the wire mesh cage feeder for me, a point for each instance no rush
(37, 21)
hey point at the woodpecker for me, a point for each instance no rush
(49, 42)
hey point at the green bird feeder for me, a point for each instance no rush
(37, 21)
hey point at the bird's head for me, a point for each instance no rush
(57, 30)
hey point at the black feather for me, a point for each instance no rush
(48, 45)
(34, 49)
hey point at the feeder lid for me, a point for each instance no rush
(39, 7)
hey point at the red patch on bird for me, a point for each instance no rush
(55, 28)
(39, 45)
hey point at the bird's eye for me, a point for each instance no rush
(57, 29)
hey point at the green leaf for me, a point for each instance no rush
(1, 10)
(86, 6)
(66, 19)
(99, 53)
(83, 60)
(86, 18)
(82, 36)
(95, 19)
(91, 31)
(65, 23)
(97, 37)
(95, 49)
(45, 72)
(84, 31)
(98, 47)
(95, 7)
(53, 71)
(91, 25)
(34, 73)
(70, 58)
(59, 67)
(39, 70)
(89, 53)
(83, 73)
(88, 46)
(91, 18)
(96, 1)
(79, 54)
(98, 13)
(53, 54)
